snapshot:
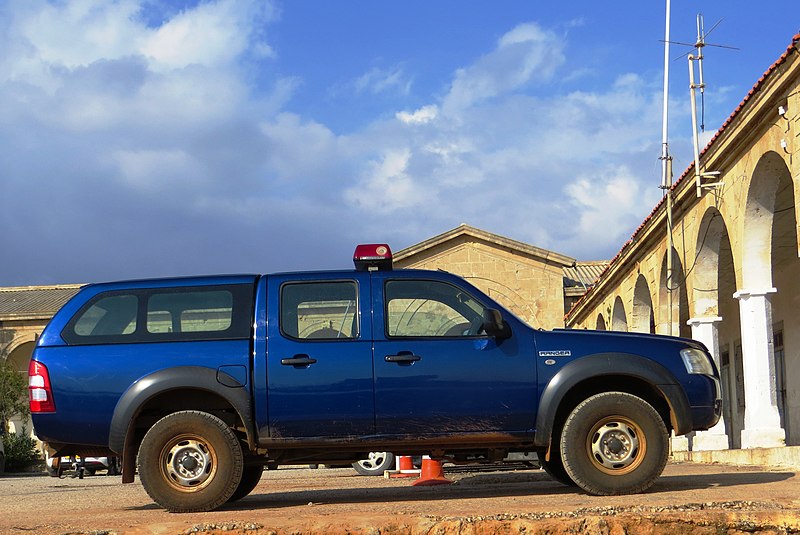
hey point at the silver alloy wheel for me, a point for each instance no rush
(374, 460)
(376, 463)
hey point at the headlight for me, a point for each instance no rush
(697, 361)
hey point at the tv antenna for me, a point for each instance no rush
(703, 179)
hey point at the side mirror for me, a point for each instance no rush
(494, 325)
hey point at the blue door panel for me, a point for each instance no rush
(456, 386)
(451, 385)
(331, 394)
(331, 397)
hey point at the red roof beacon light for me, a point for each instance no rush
(373, 257)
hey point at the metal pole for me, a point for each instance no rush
(666, 169)
(665, 179)
(695, 138)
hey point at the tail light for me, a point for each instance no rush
(39, 389)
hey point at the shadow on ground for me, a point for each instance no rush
(528, 483)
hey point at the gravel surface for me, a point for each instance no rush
(688, 498)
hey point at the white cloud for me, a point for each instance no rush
(49, 39)
(378, 80)
(387, 186)
(124, 130)
(505, 163)
(423, 115)
(156, 169)
(609, 203)
(77, 33)
(213, 33)
(525, 54)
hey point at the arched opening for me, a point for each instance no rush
(706, 267)
(642, 317)
(673, 300)
(769, 242)
(619, 320)
(759, 214)
(713, 285)
(601, 323)
(776, 264)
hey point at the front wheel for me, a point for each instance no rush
(190, 461)
(614, 443)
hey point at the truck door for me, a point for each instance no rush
(436, 372)
(319, 357)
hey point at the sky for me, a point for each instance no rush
(150, 138)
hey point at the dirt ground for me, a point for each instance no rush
(688, 498)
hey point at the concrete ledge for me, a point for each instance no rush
(786, 457)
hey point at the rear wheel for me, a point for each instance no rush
(250, 478)
(190, 461)
(614, 443)
(375, 464)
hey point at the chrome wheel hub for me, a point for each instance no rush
(189, 463)
(374, 460)
(615, 445)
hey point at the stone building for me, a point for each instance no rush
(733, 282)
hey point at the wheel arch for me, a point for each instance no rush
(171, 390)
(605, 372)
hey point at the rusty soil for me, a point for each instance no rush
(688, 498)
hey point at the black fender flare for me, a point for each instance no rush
(611, 364)
(211, 380)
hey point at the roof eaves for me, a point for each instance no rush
(467, 230)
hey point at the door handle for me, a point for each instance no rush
(403, 357)
(299, 361)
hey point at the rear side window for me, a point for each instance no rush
(164, 314)
(114, 315)
(320, 310)
(190, 312)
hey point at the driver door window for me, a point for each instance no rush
(431, 309)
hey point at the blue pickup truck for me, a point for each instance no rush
(201, 382)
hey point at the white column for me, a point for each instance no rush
(706, 330)
(762, 427)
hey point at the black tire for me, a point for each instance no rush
(113, 466)
(614, 443)
(190, 461)
(251, 475)
(555, 468)
(376, 464)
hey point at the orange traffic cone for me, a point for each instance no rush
(405, 468)
(432, 474)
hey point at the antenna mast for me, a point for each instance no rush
(666, 159)
(693, 87)
(666, 166)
